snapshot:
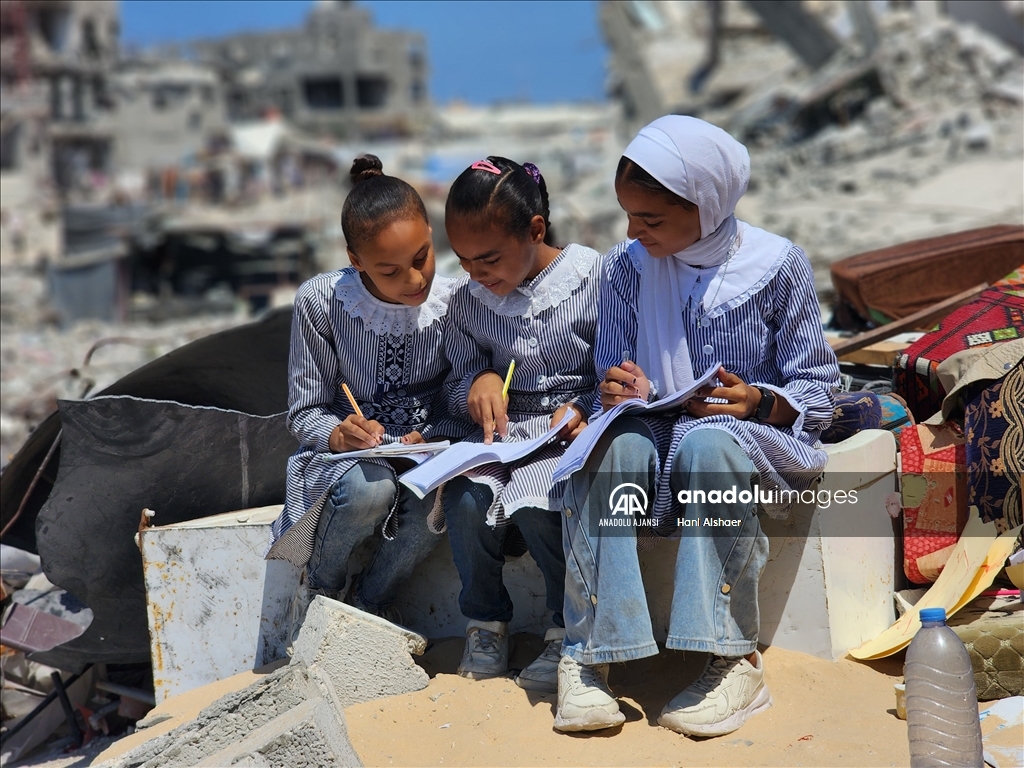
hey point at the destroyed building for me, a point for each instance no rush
(166, 112)
(337, 74)
(699, 58)
(56, 58)
(76, 112)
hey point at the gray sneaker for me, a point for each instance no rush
(487, 648)
(542, 674)
(585, 702)
(729, 693)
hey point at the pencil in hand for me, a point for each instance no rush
(352, 400)
(508, 380)
(355, 405)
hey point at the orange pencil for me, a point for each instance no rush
(352, 400)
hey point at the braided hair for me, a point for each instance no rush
(510, 198)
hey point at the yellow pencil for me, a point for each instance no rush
(352, 400)
(508, 380)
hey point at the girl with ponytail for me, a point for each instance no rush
(378, 328)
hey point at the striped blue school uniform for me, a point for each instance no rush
(547, 325)
(771, 338)
(393, 359)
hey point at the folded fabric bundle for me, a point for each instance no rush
(934, 486)
(997, 315)
(857, 411)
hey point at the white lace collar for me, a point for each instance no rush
(551, 287)
(384, 319)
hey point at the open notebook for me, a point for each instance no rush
(578, 452)
(418, 452)
(460, 457)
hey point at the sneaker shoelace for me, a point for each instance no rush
(714, 674)
(582, 675)
(487, 643)
(552, 652)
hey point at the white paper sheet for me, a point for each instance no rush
(579, 451)
(417, 452)
(461, 457)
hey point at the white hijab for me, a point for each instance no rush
(706, 166)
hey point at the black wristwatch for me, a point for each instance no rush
(764, 408)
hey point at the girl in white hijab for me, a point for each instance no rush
(692, 288)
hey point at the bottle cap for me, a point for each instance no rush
(933, 614)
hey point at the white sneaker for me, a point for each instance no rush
(486, 653)
(542, 674)
(584, 701)
(721, 700)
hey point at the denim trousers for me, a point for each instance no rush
(714, 594)
(477, 551)
(358, 502)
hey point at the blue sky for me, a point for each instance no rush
(481, 52)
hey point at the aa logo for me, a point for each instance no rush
(629, 499)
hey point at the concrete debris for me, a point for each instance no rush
(921, 137)
(364, 656)
(42, 363)
(288, 717)
(294, 716)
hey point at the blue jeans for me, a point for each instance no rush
(714, 597)
(359, 501)
(477, 551)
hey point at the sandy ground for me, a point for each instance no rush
(825, 713)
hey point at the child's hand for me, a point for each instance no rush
(413, 438)
(743, 398)
(487, 406)
(575, 425)
(356, 434)
(623, 382)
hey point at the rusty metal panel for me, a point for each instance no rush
(215, 606)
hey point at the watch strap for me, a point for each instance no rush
(764, 408)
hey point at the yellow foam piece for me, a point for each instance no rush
(974, 563)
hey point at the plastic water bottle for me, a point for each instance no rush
(942, 703)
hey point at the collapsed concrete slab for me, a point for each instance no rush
(294, 715)
(365, 657)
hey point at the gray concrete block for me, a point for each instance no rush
(311, 735)
(294, 716)
(363, 656)
(227, 721)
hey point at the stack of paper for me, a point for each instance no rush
(577, 454)
(417, 452)
(461, 457)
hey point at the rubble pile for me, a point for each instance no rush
(42, 363)
(918, 134)
(107, 699)
(932, 99)
(943, 93)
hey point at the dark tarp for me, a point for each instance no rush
(120, 454)
(242, 369)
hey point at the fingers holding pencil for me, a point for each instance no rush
(356, 430)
